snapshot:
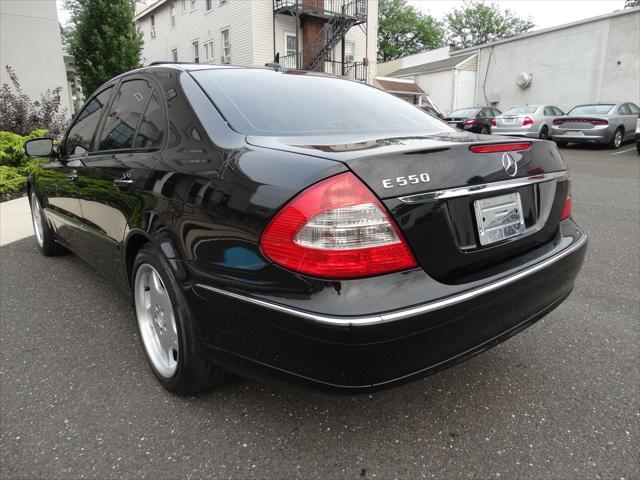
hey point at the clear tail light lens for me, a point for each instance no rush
(336, 229)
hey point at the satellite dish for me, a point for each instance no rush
(523, 80)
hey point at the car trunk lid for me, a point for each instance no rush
(579, 123)
(431, 185)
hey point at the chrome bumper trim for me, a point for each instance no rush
(482, 188)
(409, 312)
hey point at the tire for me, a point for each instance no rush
(45, 238)
(616, 139)
(544, 133)
(561, 144)
(485, 130)
(638, 148)
(168, 331)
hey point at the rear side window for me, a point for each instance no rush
(496, 112)
(558, 111)
(124, 116)
(152, 126)
(79, 137)
(633, 107)
(264, 102)
(548, 112)
(624, 110)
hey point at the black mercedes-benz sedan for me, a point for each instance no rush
(297, 225)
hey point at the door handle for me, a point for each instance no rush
(72, 176)
(124, 181)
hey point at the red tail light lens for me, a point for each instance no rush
(493, 123)
(336, 229)
(566, 209)
(503, 147)
(527, 121)
(600, 122)
(471, 121)
(558, 122)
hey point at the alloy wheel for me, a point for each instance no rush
(156, 320)
(618, 138)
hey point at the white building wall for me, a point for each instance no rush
(251, 32)
(439, 87)
(30, 43)
(594, 61)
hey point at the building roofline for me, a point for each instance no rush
(471, 56)
(626, 11)
(149, 9)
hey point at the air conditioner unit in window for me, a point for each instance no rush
(153, 33)
(225, 59)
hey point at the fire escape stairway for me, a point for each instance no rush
(327, 38)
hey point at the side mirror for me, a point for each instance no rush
(39, 147)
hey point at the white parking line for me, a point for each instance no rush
(623, 151)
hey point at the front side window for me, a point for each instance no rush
(251, 101)
(79, 138)
(226, 47)
(120, 127)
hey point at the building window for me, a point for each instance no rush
(174, 55)
(349, 52)
(222, 2)
(196, 52)
(194, 5)
(184, 6)
(172, 14)
(226, 47)
(290, 43)
(152, 20)
(209, 5)
(208, 51)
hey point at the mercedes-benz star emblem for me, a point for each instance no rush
(509, 164)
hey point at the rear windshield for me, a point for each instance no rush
(521, 110)
(264, 102)
(465, 112)
(601, 109)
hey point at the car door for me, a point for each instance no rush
(127, 147)
(630, 120)
(58, 180)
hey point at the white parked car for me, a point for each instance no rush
(533, 121)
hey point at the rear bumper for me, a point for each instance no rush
(590, 136)
(514, 133)
(254, 336)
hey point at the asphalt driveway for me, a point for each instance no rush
(561, 400)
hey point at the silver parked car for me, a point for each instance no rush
(608, 123)
(534, 121)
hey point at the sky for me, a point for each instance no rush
(545, 13)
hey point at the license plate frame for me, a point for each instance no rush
(499, 218)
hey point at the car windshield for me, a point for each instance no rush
(465, 112)
(521, 110)
(600, 109)
(264, 102)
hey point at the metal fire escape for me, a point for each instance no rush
(327, 22)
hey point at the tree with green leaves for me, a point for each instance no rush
(402, 30)
(631, 3)
(477, 22)
(105, 42)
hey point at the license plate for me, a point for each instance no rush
(499, 218)
(574, 133)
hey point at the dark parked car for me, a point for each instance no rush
(473, 119)
(610, 123)
(304, 226)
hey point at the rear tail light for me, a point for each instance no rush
(336, 229)
(503, 147)
(558, 122)
(568, 203)
(582, 120)
(471, 121)
(527, 121)
(600, 122)
(493, 123)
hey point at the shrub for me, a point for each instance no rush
(20, 115)
(12, 147)
(11, 180)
